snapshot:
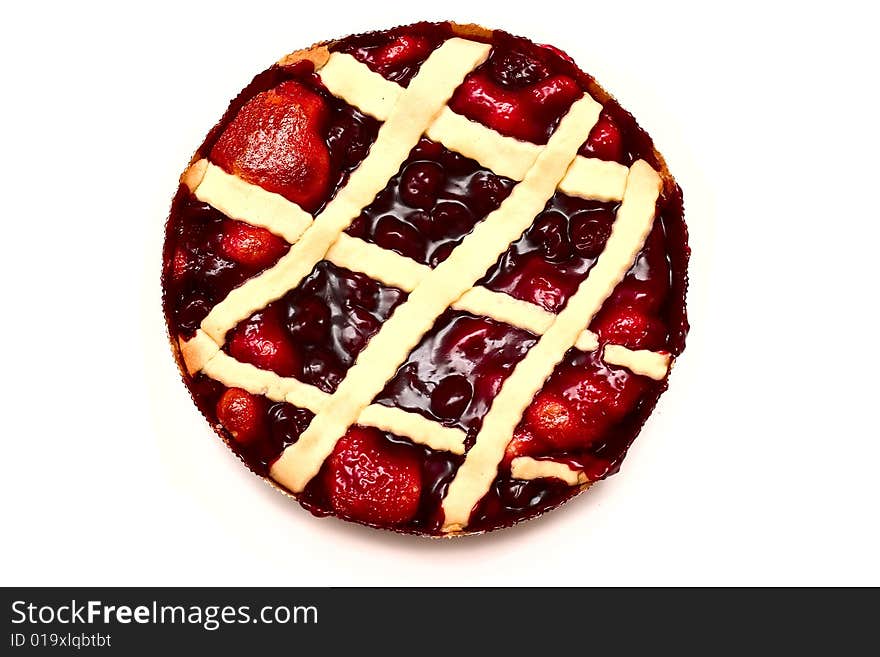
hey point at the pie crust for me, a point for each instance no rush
(537, 171)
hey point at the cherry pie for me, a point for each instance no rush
(429, 279)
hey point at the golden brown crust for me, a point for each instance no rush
(194, 174)
(317, 54)
(472, 31)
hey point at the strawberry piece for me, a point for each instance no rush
(276, 141)
(250, 245)
(555, 421)
(243, 414)
(262, 342)
(525, 114)
(605, 141)
(551, 97)
(600, 395)
(403, 50)
(630, 327)
(523, 443)
(371, 479)
(538, 282)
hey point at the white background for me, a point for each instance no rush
(760, 465)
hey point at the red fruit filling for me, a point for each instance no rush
(436, 199)
(315, 331)
(605, 141)
(261, 341)
(546, 265)
(207, 262)
(396, 56)
(371, 479)
(242, 414)
(251, 245)
(457, 369)
(519, 94)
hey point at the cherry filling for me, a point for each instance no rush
(315, 331)
(586, 415)
(287, 134)
(519, 91)
(208, 256)
(397, 54)
(636, 315)
(457, 369)
(436, 199)
(546, 265)
(256, 427)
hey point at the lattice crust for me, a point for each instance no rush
(348, 78)
(631, 226)
(527, 468)
(407, 114)
(387, 350)
(238, 199)
(233, 373)
(414, 110)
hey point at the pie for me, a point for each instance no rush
(429, 279)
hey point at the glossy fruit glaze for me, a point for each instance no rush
(286, 133)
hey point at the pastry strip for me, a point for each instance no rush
(354, 82)
(414, 110)
(631, 226)
(385, 352)
(417, 428)
(527, 468)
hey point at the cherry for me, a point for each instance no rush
(397, 235)
(590, 231)
(420, 183)
(360, 290)
(286, 423)
(515, 69)
(550, 231)
(360, 328)
(451, 397)
(426, 150)
(242, 414)
(359, 227)
(450, 218)
(308, 320)
(322, 369)
(421, 221)
(487, 191)
(348, 139)
(441, 252)
(190, 316)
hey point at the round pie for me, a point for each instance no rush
(430, 279)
